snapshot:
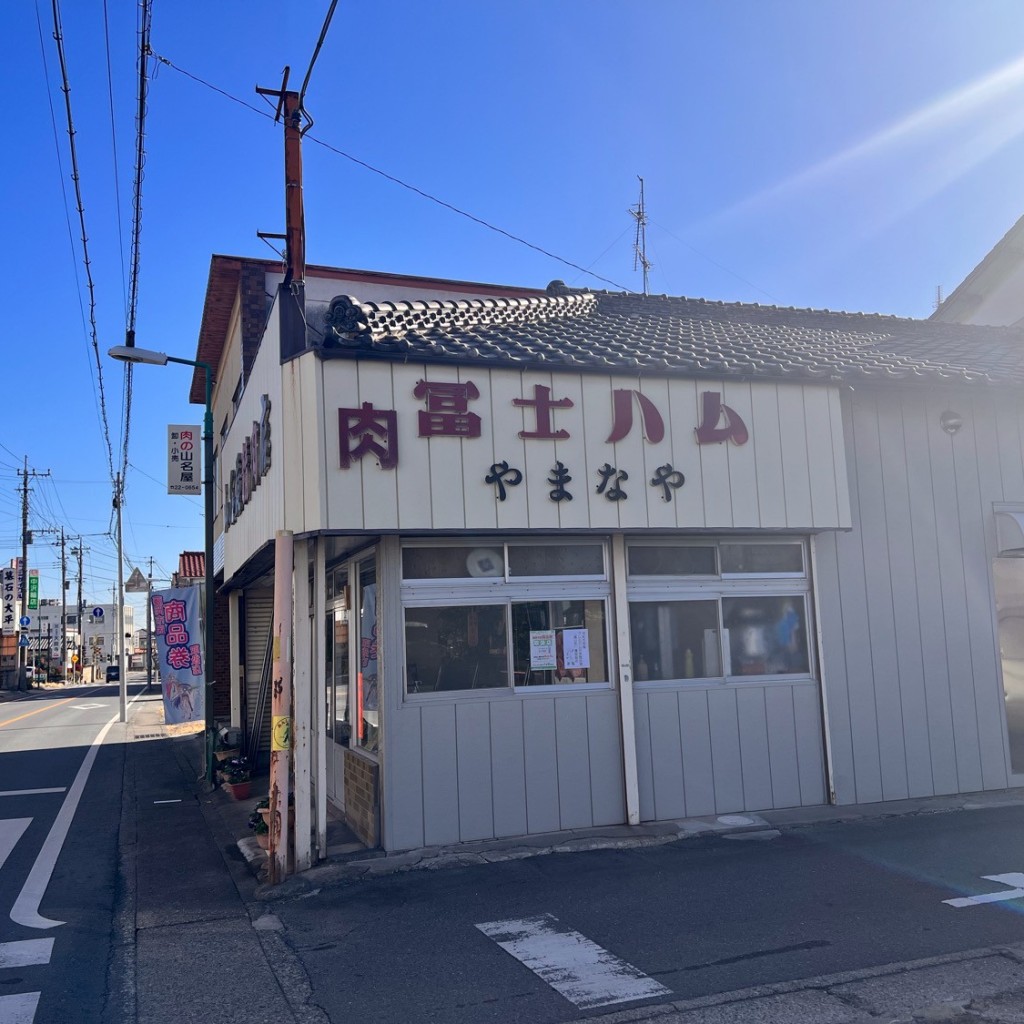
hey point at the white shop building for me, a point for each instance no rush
(576, 559)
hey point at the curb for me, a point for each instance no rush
(763, 827)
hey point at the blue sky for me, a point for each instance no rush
(850, 154)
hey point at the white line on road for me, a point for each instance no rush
(1014, 878)
(26, 907)
(575, 967)
(33, 792)
(11, 830)
(25, 952)
(19, 1009)
(175, 801)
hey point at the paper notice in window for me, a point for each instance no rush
(575, 648)
(542, 649)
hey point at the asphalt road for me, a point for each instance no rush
(698, 917)
(57, 883)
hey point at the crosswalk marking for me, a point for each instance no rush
(11, 830)
(20, 1008)
(575, 967)
(25, 953)
(1014, 878)
(33, 792)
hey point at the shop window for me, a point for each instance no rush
(749, 620)
(539, 560)
(366, 716)
(767, 635)
(456, 647)
(762, 559)
(494, 615)
(675, 640)
(451, 563)
(559, 642)
(679, 560)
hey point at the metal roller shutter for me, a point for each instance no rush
(259, 620)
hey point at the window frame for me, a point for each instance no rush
(681, 589)
(505, 591)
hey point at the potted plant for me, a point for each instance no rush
(236, 777)
(259, 827)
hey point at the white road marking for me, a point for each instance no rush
(176, 801)
(33, 792)
(19, 1009)
(87, 707)
(26, 907)
(1014, 878)
(11, 830)
(576, 968)
(25, 952)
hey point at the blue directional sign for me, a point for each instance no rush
(23, 641)
(97, 613)
(24, 620)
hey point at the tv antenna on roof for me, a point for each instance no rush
(639, 214)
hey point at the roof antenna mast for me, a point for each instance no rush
(639, 214)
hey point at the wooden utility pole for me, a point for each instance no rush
(293, 291)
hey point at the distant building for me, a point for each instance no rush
(191, 569)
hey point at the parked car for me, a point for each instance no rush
(113, 673)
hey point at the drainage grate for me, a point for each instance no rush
(148, 736)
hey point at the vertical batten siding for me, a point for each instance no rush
(908, 599)
(978, 485)
(877, 549)
(439, 482)
(711, 750)
(504, 766)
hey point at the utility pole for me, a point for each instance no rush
(25, 538)
(64, 606)
(149, 626)
(122, 674)
(80, 664)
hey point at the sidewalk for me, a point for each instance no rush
(199, 940)
(191, 946)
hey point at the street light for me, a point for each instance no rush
(131, 354)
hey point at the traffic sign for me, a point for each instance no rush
(24, 621)
(97, 613)
(136, 583)
(74, 659)
(23, 641)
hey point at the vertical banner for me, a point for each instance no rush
(9, 595)
(179, 654)
(33, 590)
(184, 460)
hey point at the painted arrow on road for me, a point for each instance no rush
(1014, 879)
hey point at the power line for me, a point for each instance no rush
(398, 181)
(113, 145)
(75, 177)
(312, 61)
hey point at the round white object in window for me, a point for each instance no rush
(485, 562)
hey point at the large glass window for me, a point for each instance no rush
(367, 709)
(492, 615)
(722, 611)
(558, 642)
(767, 635)
(675, 640)
(455, 648)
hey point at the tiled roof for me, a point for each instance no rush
(677, 336)
(191, 565)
